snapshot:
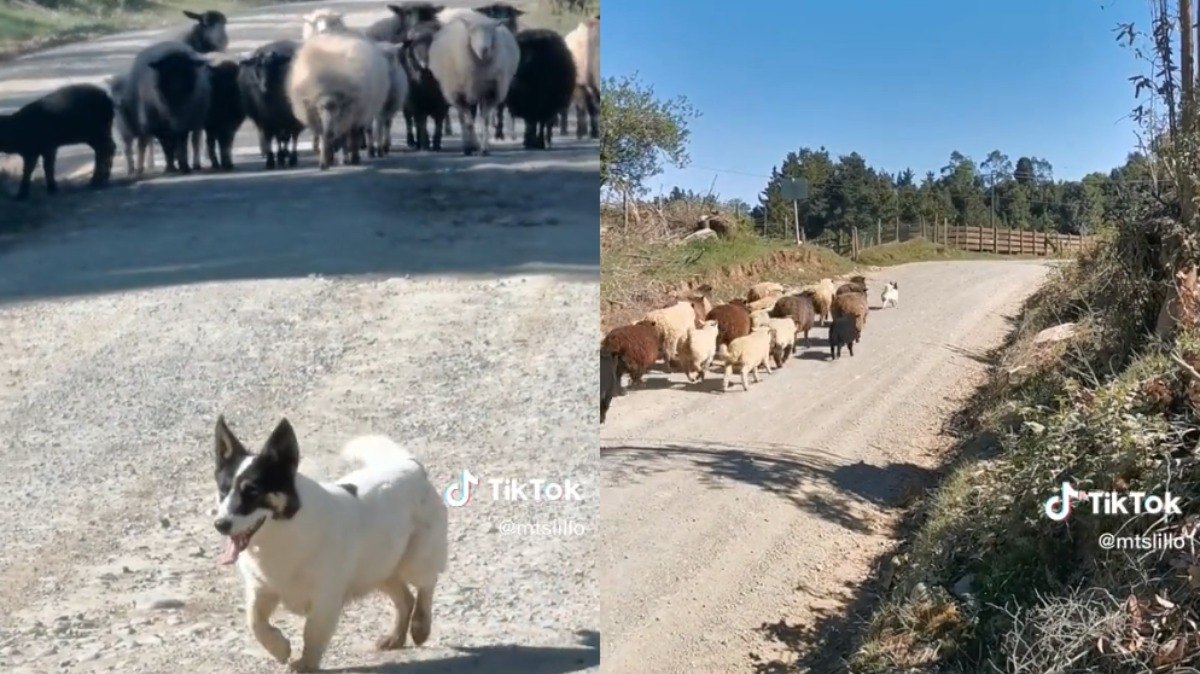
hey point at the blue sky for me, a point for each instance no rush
(903, 83)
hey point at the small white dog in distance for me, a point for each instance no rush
(891, 294)
(314, 546)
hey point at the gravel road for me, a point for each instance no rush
(443, 300)
(726, 511)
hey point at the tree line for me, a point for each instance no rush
(847, 193)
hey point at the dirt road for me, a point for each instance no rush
(725, 511)
(438, 299)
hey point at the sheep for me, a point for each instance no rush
(748, 353)
(509, 16)
(856, 284)
(167, 93)
(70, 115)
(394, 28)
(584, 43)
(843, 331)
(474, 59)
(425, 99)
(671, 324)
(396, 98)
(635, 347)
(125, 120)
(799, 308)
(821, 294)
(337, 85)
(698, 350)
(542, 86)
(852, 304)
(759, 291)
(323, 21)
(225, 114)
(733, 321)
(609, 376)
(207, 34)
(262, 83)
(783, 340)
(764, 304)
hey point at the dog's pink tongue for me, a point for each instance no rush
(231, 553)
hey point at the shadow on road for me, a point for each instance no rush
(405, 214)
(809, 478)
(501, 660)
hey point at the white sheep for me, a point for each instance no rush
(671, 324)
(748, 353)
(396, 98)
(698, 350)
(337, 86)
(765, 289)
(822, 298)
(474, 59)
(783, 339)
(584, 43)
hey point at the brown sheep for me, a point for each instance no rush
(852, 304)
(850, 288)
(636, 347)
(733, 321)
(799, 308)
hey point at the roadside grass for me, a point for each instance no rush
(987, 583)
(922, 250)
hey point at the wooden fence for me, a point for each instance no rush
(997, 240)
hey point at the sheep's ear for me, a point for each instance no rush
(518, 12)
(192, 15)
(398, 11)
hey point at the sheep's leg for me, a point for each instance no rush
(441, 122)
(129, 168)
(227, 152)
(422, 138)
(850, 348)
(196, 149)
(485, 112)
(767, 364)
(593, 110)
(326, 151)
(264, 147)
(468, 132)
(725, 379)
(214, 162)
(182, 148)
(746, 382)
(105, 150)
(141, 157)
(29, 162)
(500, 122)
(547, 133)
(530, 136)
(294, 155)
(807, 342)
(409, 138)
(580, 117)
(562, 120)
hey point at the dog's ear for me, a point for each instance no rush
(282, 446)
(227, 447)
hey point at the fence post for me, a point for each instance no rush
(995, 239)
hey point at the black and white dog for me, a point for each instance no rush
(314, 546)
(891, 295)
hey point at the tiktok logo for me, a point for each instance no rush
(458, 493)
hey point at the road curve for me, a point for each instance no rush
(725, 511)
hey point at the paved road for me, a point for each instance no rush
(435, 298)
(725, 511)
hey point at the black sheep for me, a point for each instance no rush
(609, 377)
(225, 114)
(74, 114)
(425, 97)
(543, 84)
(394, 28)
(843, 332)
(208, 35)
(262, 81)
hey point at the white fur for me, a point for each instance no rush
(672, 323)
(324, 21)
(338, 82)
(891, 295)
(698, 350)
(474, 58)
(339, 547)
(748, 353)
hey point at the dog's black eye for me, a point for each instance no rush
(248, 490)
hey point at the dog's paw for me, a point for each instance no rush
(391, 642)
(301, 665)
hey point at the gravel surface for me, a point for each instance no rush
(447, 301)
(727, 511)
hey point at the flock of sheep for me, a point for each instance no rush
(345, 86)
(745, 334)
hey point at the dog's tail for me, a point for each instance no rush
(377, 452)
